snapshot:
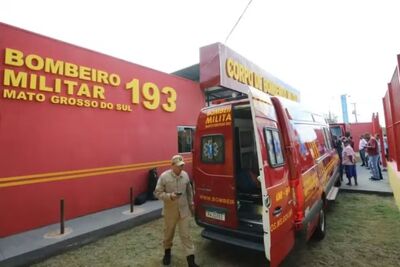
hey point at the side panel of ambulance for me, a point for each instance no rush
(315, 165)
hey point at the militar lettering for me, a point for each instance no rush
(32, 77)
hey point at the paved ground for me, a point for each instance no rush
(32, 246)
(366, 185)
(35, 245)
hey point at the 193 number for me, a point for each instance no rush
(152, 95)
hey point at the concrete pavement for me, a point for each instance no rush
(365, 185)
(32, 246)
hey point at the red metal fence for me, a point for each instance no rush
(392, 116)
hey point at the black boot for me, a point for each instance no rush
(167, 257)
(190, 260)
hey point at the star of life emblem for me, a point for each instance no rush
(210, 149)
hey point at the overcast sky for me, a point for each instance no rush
(322, 48)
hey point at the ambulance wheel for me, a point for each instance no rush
(320, 231)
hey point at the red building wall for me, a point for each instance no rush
(357, 129)
(392, 115)
(88, 156)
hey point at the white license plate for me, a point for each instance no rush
(215, 215)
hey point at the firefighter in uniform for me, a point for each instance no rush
(174, 189)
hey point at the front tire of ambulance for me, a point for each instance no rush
(320, 231)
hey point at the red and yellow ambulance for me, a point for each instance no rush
(263, 166)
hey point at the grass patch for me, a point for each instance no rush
(362, 230)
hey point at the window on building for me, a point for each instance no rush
(213, 149)
(274, 148)
(185, 138)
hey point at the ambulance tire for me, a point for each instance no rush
(320, 231)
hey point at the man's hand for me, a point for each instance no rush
(191, 207)
(175, 195)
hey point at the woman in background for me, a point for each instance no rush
(349, 162)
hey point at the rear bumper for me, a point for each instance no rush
(249, 240)
(209, 234)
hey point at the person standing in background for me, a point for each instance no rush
(361, 147)
(349, 138)
(337, 142)
(379, 156)
(349, 162)
(385, 144)
(372, 150)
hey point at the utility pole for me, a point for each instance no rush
(355, 111)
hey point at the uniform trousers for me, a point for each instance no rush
(171, 220)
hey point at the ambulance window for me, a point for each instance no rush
(213, 149)
(277, 147)
(318, 118)
(335, 130)
(185, 138)
(298, 114)
(328, 141)
(275, 154)
(321, 145)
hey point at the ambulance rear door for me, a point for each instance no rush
(277, 212)
(215, 186)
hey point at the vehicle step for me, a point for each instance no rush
(233, 240)
(333, 193)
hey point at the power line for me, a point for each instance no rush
(237, 22)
